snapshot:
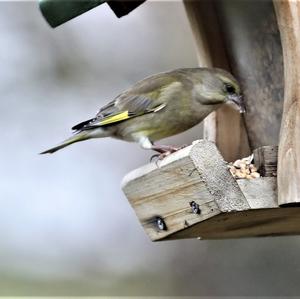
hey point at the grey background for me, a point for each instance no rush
(65, 226)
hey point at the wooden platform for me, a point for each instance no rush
(192, 194)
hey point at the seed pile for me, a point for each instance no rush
(244, 169)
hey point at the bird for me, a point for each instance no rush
(160, 106)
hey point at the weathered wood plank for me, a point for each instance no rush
(266, 159)
(261, 193)
(244, 224)
(288, 17)
(214, 171)
(253, 45)
(165, 190)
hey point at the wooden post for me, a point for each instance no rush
(212, 53)
(288, 17)
(253, 44)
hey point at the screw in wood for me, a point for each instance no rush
(161, 224)
(195, 207)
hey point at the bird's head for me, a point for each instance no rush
(216, 86)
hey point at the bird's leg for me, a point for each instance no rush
(145, 143)
(166, 150)
(163, 150)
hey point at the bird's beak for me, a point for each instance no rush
(237, 100)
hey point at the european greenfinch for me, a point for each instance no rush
(160, 106)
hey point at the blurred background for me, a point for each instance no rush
(65, 226)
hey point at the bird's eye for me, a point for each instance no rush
(229, 88)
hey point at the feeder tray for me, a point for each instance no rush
(192, 194)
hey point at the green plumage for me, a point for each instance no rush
(160, 106)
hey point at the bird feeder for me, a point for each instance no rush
(191, 194)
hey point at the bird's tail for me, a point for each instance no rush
(84, 135)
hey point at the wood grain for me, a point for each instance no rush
(266, 159)
(261, 193)
(253, 45)
(245, 224)
(288, 16)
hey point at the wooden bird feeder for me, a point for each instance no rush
(191, 193)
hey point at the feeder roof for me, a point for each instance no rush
(57, 12)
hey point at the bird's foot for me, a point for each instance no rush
(160, 156)
(164, 151)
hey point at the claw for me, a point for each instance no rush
(159, 157)
(162, 149)
(154, 156)
(165, 154)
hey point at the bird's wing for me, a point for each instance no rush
(127, 106)
(144, 97)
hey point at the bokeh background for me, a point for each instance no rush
(65, 226)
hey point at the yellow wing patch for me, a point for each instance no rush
(125, 115)
(115, 118)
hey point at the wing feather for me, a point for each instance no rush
(142, 98)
